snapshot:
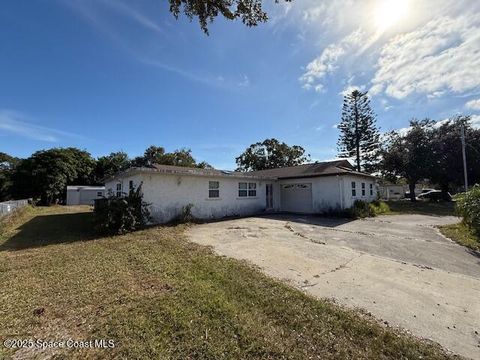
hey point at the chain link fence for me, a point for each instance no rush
(8, 206)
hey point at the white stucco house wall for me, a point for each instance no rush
(307, 189)
(84, 195)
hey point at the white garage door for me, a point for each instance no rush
(297, 198)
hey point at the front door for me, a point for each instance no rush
(269, 194)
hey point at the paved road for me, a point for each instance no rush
(399, 268)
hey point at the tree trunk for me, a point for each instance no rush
(411, 186)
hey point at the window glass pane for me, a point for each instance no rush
(119, 194)
(252, 192)
(354, 192)
(242, 185)
(353, 184)
(363, 185)
(119, 187)
(213, 184)
(252, 185)
(130, 184)
(242, 193)
(213, 193)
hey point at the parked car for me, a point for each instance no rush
(407, 193)
(435, 195)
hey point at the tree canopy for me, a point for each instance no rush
(359, 136)
(47, 173)
(157, 155)
(270, 154)
(250, 12)
(447, 171)
(7, 167)
(109, 165)
(409, 155)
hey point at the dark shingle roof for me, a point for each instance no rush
(337, 167)
(182, 170)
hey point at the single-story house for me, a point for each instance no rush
(308, 189)
(84, 195)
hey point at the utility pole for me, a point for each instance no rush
(462, 133)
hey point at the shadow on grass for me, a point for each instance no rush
(45, 230)
(422, 207)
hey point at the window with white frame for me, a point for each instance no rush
(99, 194)
(363, 189)
(371, 189)
(252, 189)
(213, 189)
(119, 190)
(247, 189)
(354, 188)
(242, 189)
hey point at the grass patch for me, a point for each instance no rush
(159, 296)
(421, 207)
(462, 234)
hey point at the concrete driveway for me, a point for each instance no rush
(399, 268)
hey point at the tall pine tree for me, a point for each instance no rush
(359, 136)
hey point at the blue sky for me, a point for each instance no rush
(109, 75)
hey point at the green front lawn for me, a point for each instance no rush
(462, 234)
(421, 207)
(159, 296)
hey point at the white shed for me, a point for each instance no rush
(84, 195)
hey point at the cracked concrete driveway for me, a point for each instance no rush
(399, 268)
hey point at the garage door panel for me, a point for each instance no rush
(297, 197)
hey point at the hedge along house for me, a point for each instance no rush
(309, 189)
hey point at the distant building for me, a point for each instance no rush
(84, 195)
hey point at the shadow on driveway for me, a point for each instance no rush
(319, 220)
(52, 229)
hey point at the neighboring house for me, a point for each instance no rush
(396, 192)
(309, 189)
(84, 195)
(392, 191)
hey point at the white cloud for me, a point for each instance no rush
(15, 122)
(441, 56)
(475, 121)
(327, 62)
(350, 88)
(473, 104)
(245, 82)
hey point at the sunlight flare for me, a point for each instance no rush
(389, 12)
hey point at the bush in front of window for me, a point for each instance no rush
(115, 215)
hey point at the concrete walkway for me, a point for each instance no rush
(399, 268)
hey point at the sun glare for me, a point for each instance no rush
(390, 12)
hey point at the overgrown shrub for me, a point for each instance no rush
(379, 207)
(363, 209)
(468, 206)
(186, 216)
(119, 215)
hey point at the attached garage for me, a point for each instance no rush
(296, 198)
